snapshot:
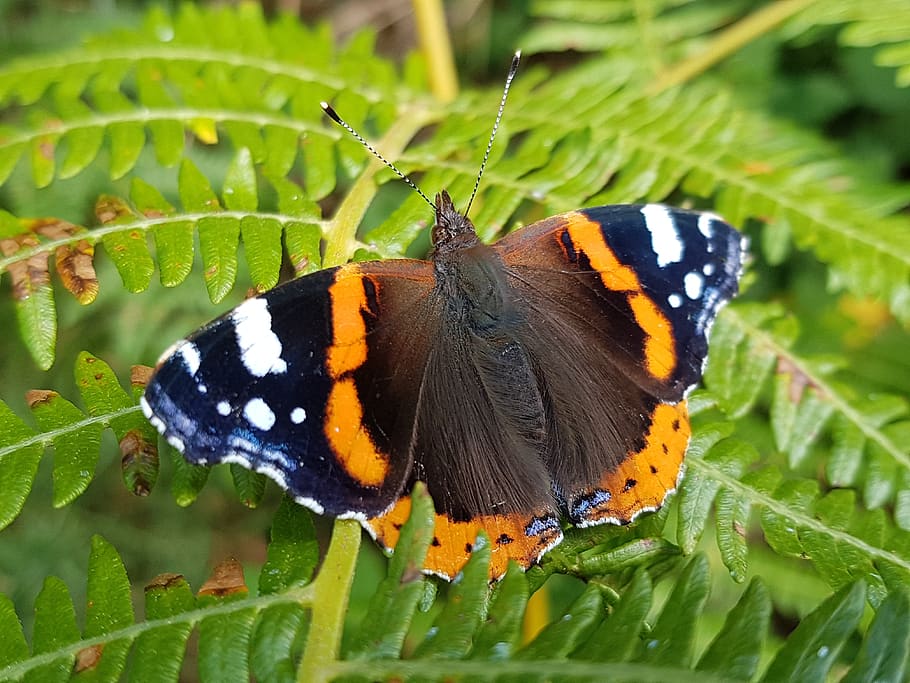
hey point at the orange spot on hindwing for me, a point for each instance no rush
(660, 353)
(643, 479)
(522, 537)
(344, 429)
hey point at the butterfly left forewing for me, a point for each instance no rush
(282, 385)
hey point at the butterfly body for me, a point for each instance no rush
(536, 379)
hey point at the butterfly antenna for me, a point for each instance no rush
(326, 107)
(502, 105)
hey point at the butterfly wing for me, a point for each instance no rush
(620, 301)
(281, 385)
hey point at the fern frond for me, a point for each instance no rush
(871, 25)
(76, 439)
(602, 633)
(808, 403)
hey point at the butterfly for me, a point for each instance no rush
(532, 381)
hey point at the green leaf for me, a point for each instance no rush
(562, 636)
(55, 627)
(43, 150)
(167, 135)
(293, 552)
(224, 644)
(18, 464)
(127, 248)
(672, 639)
(883, 655)
(302, 241)
(188, 479)
(75, 451)
(381, 635)
(108, 608)
(218, 239)
(465, 609)
(319, 165)
(262, 243)
(619, 636)
(697, 491)
(13, 647)
(732, 522)
(36, 312)
(240, 190)
(82, 147)
(272, 651)
(9, 156)
(736, 650)
(127, 141)
(173, 239)
(250, 485)
(812, 648)
(195, 192)
(158, 653)
(281, 150)
(501, 632)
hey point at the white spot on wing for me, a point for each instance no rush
(258, 413)
(675, 300)
(223, 408)
(709, 269)
(260, 348)
(665, 241)
(694, 283)
(298, 415)
(705, 224)
(190, 354)
(177, 443)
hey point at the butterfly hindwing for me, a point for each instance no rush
(282, 385)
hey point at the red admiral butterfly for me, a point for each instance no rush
(540, 377)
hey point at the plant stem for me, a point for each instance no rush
(729, 41)
(330, 603)
(437, 48)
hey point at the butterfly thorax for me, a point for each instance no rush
(453, 230)
(482, 334)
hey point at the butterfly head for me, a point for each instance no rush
(452, 230)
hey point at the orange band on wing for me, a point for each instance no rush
(660, 354)
(350, 442)
(349, 347)
(513, 536)
(344, 430)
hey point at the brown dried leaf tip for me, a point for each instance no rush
(164, 581)
(799, 380)
(29, 274)
(110, 209)
(88, 658)
(34, 397)
(138, 462)
(226, 579)
(140, 376)
(74, 260)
